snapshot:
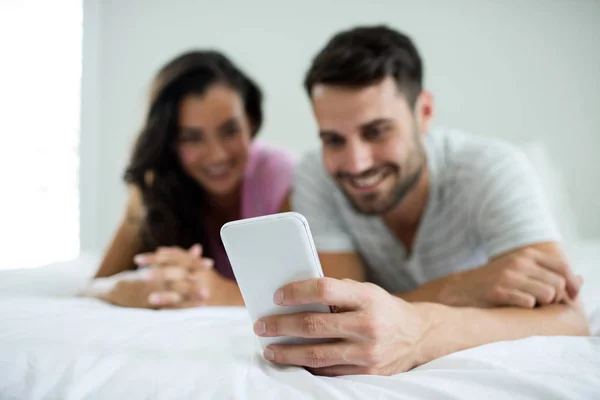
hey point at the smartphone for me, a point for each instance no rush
(267, 253)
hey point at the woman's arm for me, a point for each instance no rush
(126, 241)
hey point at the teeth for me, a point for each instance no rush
(218, 169)
(368, 181)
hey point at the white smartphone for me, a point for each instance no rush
(266, 253)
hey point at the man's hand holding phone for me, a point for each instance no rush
(377, 333)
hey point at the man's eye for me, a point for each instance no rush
(375, 132)
(333, 141)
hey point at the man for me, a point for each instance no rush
(447, 227)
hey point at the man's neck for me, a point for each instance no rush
(404, 219)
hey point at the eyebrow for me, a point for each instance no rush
(362, 127)
(323, 134)
(190, 129)
(196, 129)
(375, 122)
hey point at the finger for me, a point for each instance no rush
(190, 290)
(163, 255)
(313, 356)
(144, 259)
(186, 304)
(207, 263)
(565, 297)
(195, 251)
(183, 287)
(340, 370)
(543, 292)
(519, 299)
(198, 291)
(175, 256)
(202, 264)
(328, 291)
(309, 325)
(200, 274)
(559, 266)
(164, 298)
(170, 273)
(548, 277)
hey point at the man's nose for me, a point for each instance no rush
(359, 158)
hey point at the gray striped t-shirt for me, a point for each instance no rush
(485, 199)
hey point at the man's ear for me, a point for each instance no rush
(424, 111)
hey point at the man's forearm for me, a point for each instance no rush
(453, 329)
(535, 274)
(431, 292)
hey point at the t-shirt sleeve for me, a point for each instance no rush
(313, 197)
(509, 203)
(279, 174)
(267, 181)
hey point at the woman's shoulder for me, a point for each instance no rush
(268, 179)
(270, 162)
(272, 154)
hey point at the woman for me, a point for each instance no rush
(194, 167)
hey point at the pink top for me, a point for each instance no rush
(266, 182)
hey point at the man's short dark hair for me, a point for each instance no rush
(364, 56)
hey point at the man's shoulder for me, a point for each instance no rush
(459, 144)
(310, 165)
(311, 160)
(462, 155)
(312, 180)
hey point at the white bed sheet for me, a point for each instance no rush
(55, 347)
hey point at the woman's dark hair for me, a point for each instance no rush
(364, 56)
(173, 201)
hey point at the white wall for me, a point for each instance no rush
(520, 70)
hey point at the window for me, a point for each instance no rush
(40, 74)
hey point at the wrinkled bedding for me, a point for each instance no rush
(56, 346)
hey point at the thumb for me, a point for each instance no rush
(195, 251)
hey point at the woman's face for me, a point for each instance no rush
(214, 139)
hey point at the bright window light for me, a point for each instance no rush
(40, 73)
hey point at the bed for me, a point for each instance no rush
(56, 346)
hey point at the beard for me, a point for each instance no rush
(381, 202)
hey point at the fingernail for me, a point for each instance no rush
(269, 354)
(154, 299)
(139, 259)
(278, 297)
(260, 328)
(203, 293)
